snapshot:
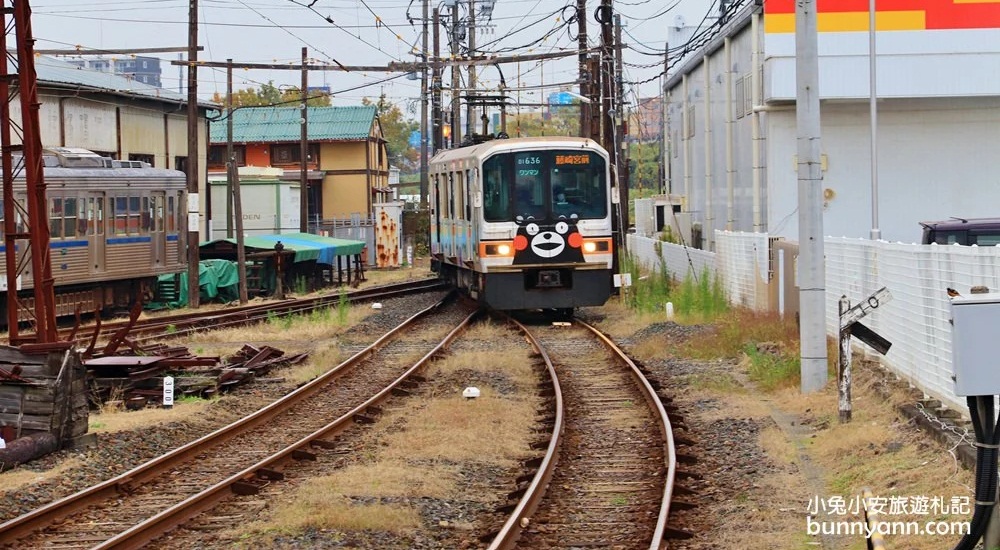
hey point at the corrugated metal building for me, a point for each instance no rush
(732, 132)
(114, 116)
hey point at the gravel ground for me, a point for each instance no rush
(118, 452)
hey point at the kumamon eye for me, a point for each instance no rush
(532, 228)
(562, 228)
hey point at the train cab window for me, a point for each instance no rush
(496, 195)
(529, 184)
(158, 213)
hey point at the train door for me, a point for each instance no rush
(152, 220)
(96, 231)
(435, 214)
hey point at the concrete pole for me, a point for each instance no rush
(470, 109)
(812, 281)
(876, 233)
(456, 100)
(229, 149)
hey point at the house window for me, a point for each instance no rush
(142, 157)
(289, 153)
(217, 155)
(181, 163)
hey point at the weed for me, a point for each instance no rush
(772, 370)
(171, 329)
(619, 500)
(97, 425)
(343, 307)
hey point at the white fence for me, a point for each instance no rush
(916, 321)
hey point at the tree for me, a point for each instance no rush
(396, 130)
(269, 94)
(644, 164)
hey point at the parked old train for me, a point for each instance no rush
(114, 226)
(525, 223)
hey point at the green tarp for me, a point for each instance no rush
(216, 279)
(323, 250)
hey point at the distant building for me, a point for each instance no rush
(141, 69)
(347, 165)
(731, 119)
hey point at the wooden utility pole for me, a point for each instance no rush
(304, 150)
(438, 129)
(585, 76)
(192, 157)
(234, 200)
(621, 126)
(456, 101)
(424, 127)
(470, 110)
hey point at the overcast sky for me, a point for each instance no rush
(369, 32)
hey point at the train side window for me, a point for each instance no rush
(145, 216)
(99, 220)
(55, 218)
(119, 215)
(460, 185)
(1, 219)
(468, 195)
(158, 213)
(451, 195)
(171, 225)
(134, 212)
(69, 216)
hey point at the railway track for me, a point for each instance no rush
(182, 324)
(607, 477)
(603, 477)
(140, 505)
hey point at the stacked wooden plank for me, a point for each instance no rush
(44, 393)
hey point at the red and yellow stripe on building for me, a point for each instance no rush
(890, 15)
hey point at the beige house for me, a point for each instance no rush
(347, 167)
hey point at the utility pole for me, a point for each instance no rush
(436, 85)
(664, 140)
(424, 127)
(456, 102)
(585, 76)
(192, 156)
(470, 110)
(621, 123)
(304, 150)
(812, 283)
(233, 196)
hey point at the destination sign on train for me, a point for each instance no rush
(572, 159)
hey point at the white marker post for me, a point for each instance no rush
(168, 392)
(850, 326)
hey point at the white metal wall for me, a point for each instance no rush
(681, 261)
(916, 321)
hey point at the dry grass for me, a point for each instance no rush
(110, 419)
(314, 507)
(318, 325)
(13, 480)
(391, 478)
(320, 360)
(489, 428)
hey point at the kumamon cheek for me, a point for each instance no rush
(520, 242)
(575, 240)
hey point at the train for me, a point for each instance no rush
(525, 223)
(114, 227)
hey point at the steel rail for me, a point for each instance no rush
(25, 524)
(525, 509)
(521, 517)
(670, 450)
(195, 317)
(158, 525)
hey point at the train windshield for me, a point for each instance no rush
(545, 185)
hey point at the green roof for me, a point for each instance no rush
(281, 124)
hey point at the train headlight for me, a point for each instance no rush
(591, 246)
(494, 249)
